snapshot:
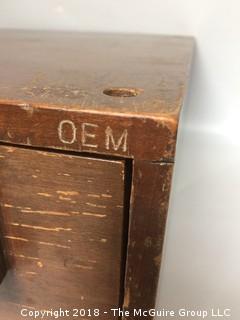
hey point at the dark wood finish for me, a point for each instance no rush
(47, 68)
(110, 95)
(118, 135)
(49, 76)
(149, 204)
(62, 229)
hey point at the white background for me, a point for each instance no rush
(201, 265)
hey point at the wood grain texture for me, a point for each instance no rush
(63, 77)
(58, 128)
(73, 69)
(148, 213)
(62, 227)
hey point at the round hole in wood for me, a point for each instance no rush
(122, 92)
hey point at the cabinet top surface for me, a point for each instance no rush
(72, 70)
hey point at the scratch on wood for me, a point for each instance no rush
(44, 194)
(64, 174)
(93, 195)
(83, 267)
(95, 205)
(58, 229)
(6, 205)
(68, 193)
(39, 242)
(22, 256)
(92, 261)
(53, 213)
(97, 215)
(53, 245)
(16, 238)
(104, 195)
(31, 273)
(64, 198)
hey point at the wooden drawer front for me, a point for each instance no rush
(62, 223)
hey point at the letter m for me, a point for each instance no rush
(116, 143)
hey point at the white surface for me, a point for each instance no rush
(201, 266)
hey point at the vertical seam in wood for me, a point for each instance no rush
(126, 214)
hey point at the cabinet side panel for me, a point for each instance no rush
(148, 212)
(62, 221)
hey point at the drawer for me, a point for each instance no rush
(62, 225)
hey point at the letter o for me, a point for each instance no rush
(60, 131)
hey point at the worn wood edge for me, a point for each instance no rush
(165, 116)
(157, 134)
(148, 215)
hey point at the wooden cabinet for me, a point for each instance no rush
(88, 127)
